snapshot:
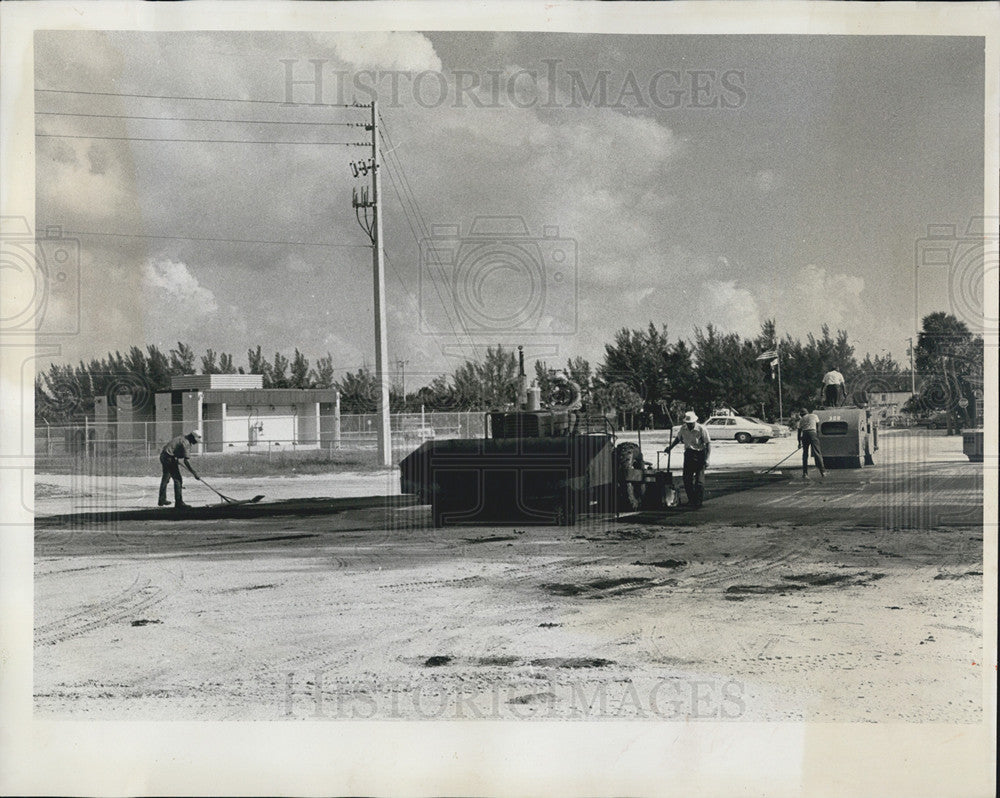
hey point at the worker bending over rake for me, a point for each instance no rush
(809, 439)
(170, 457)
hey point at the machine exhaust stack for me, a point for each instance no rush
(522, 381)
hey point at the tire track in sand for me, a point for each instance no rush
(140, 595)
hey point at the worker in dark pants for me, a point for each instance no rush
(809, 439)
(697, 445)
(171, 455)
(834, 390)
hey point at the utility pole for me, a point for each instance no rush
(913, 378)
(373, 227)
(378, 266)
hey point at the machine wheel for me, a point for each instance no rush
(743, 437)
(605, 498)
(869, 460)
(628, 455)
(565, 510)
(438, 509)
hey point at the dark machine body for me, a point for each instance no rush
(541, 465)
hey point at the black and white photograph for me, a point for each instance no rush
(379, 372)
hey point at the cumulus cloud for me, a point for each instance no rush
(171, 284)
(729, 307)
(178, 307)
(665, 218)
(388, 50)
(296, 264)
(766, 181)
(814, 296)
(838, 294)
(80, 182)
(99, 159)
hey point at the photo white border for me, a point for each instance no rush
(482, 757)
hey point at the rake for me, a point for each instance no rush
(227, 499)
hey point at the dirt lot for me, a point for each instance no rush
(855, 598)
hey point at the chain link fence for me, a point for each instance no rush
(357, 432)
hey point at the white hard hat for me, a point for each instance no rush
(690, 417)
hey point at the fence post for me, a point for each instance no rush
(86, 437)
(336, 420)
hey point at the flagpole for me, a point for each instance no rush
(777, 351)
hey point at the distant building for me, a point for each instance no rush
(236, 412)
(888, 403)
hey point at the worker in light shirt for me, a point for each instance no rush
(697, 445)
(176, 452)
(834, 391)
(809, 439)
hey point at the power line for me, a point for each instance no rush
(406, 215)
(205, 141)
(214, 240)
(389, 154)
(408, 205)
(206, 99)
(197, 119)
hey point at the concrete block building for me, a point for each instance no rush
(236, 413)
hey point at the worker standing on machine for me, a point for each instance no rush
(834, 390)
(697, 445)
(170, 457)
(809, 438)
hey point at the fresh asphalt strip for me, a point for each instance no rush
(320, 506)
(722, 483)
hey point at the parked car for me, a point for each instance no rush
(419, 433)
(737, 428)
(777, 430)
(933, 421)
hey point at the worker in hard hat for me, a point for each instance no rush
(697, 445)
(809, 439)
(834, 390)
(171, 455)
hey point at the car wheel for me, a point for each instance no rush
(743, 437)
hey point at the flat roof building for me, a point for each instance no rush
(234, 412)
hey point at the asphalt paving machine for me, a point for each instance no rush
(848, 436)
(535, 463)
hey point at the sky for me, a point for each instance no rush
(618, 180)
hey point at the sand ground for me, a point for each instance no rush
(858, 598)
